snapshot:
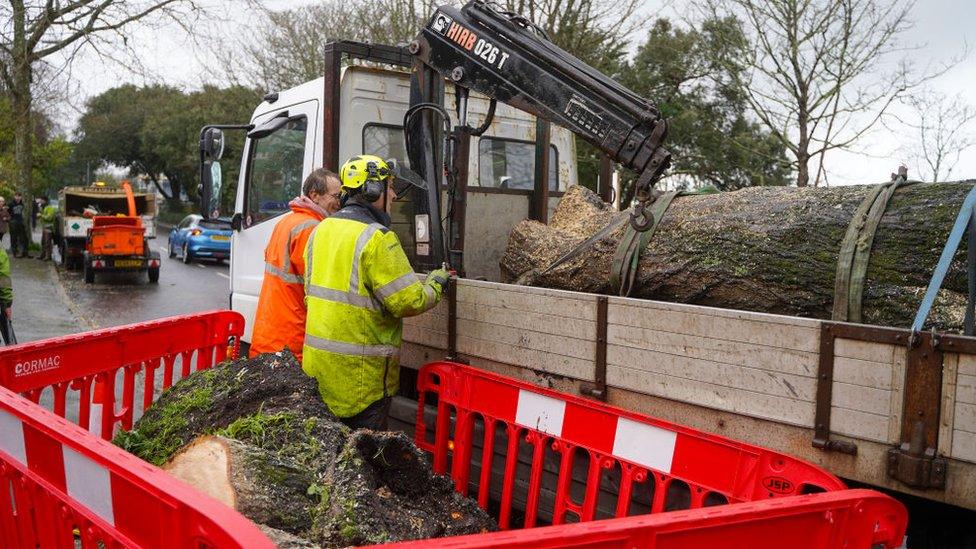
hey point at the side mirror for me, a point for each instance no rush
(269, 127)
(212, 144)
(211, 175)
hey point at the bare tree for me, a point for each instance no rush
(943, 130)
(596, 31)
(288, 47)
(821, 73)
(47, 34)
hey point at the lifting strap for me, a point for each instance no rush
(963, 221)
(623, 270)
(855, 251)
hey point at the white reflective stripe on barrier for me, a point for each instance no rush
(12, 437)
(89, 484)
(644, 444)
(540, 412)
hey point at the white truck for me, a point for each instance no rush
(856, 399)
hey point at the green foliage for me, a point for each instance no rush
(155, 131)
(51, 153)
(711, 138)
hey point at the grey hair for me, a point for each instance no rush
(317, 181)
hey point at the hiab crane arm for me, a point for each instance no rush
(506, 58)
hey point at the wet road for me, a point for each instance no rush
(123, 298)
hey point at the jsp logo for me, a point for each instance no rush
(37, 365)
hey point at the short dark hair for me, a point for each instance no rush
(317, 181)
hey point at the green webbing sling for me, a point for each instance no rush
(623, 271)
(855, 252)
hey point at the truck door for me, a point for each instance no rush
(274, 168)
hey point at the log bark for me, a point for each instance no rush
(260, 485)
(765, 249)
(382, 489)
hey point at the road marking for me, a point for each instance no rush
(162, 249)
(223, 275)
(200, 265)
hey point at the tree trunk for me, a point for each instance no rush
(266, 401)
(258, 484)
(766, 249)
(174, 187)
(22, 72)
(381, 489)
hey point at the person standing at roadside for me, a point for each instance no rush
(47, 217)
(4, 219)
(280, 318)
(6, 297)
(18, 226)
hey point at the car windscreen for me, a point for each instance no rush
(216, 225)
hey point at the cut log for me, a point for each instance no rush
(267, 401)
(764, 249)
(382, 489)
(261, 486)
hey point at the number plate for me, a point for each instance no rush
(220, 237)
(127, 263)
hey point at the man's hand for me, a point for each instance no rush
(9, 311)
(441, 277)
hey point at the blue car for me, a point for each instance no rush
(196, 238)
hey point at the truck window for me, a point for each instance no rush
(384, 141)
(275, 171)
(510, 164)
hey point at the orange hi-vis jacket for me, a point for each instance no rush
(280, 318)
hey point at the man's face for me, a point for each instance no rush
(328, 201)
(390, 194)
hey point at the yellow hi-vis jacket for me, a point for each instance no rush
(358, 286)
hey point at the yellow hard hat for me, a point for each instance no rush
(360, 169)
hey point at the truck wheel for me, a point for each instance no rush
(89, 273)
(172, 253)
(186, 255)
(154, 274)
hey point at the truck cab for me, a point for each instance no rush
(371, 106)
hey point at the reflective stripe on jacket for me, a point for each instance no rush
(358, 286)
(280, 318)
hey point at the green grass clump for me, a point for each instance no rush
(155, 441)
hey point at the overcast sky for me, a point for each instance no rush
(943, 29)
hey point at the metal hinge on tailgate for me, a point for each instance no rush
(915, 461)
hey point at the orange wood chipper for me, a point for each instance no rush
(118, 243)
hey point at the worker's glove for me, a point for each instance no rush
(441, 277)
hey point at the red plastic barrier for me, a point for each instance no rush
(58, 478)
(852, 519)
(74, 362)
(650, 454)
(63, 479)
